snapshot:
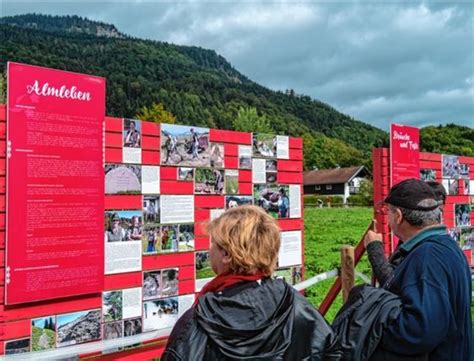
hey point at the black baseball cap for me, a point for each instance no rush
(410, 192)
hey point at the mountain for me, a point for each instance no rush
(198, 86)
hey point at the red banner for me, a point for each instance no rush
(404, 156)
(55, 184)
(405, 153)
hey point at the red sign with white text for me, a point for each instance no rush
(55, 184)
(405, 153)
(405, 156)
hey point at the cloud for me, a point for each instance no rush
(377, 62)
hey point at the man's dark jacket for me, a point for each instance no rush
(265, 320)
(434, 285)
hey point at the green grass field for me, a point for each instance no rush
(326, 230)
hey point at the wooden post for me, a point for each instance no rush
(347, 270)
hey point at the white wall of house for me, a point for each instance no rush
(346, 192)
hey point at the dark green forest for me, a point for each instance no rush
(192, 85)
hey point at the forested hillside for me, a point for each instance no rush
(184, 84)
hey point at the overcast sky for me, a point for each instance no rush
(379, 62)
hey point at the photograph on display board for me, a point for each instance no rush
(451, 186)
(428, 175)
(131, 133)
(271, 177)
(185, 174)
(112, 306)
(132, 327)
(159, 314)
(273, 199)
(264, 145)
(292, 275)
(17, 346)
(169, 282)
(454, 234)
(466, 237)
(43, 333)
(450, 166)
(184, 145)
(462, 215)
(169, 238)
(186, 237)
(113, 330)
(231, 181)
(78, 327)
(123, 179)
(466, 187)
(204, 272)
(151, 285)
(245, 157)
(464, 171)
(151, 209)
(235, 201)
(217, 155)
(208, 181)
(151, 238)
(123, 226)
(271, 165)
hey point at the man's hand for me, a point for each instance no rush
(372, 236)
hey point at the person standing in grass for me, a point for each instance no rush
(433, 280)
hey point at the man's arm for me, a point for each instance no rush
(380, 266)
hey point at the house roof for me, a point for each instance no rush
(332, 176)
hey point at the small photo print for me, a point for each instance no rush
(271, 165)
(131, 133)
(235, 201)
(17, 346)
(151, 239)
(462, 214)
(264, 145)
(169, 238)
(185, 146)
(122, 226)
(245, 157)
(43, 333)
(273, 199)
(467, 238)
(151, 209)
(466, 187)
(451, 166)
(123, 179)
(113, 330)
(186, 237)
(464, 171)
(208, 181)
(454, 233)
(271, 177)
(231, 181)
(151, 285)
(78, 327)
(159, 314)
(203, 266)
(185, 174)
(112, 305)
(292, 275)
(453, 187)
(428, 175)
(169, 282)
(217, 155)
(132, 327)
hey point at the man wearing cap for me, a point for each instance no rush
(433, 280)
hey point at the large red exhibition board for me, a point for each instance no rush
(161, 184)
(55, 184)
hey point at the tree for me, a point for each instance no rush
(156, 113)
(248, 120)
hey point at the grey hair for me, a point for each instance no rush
(423, 218)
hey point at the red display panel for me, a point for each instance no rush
(405, 153)
(55, 183)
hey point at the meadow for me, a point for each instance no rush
(326, 230)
